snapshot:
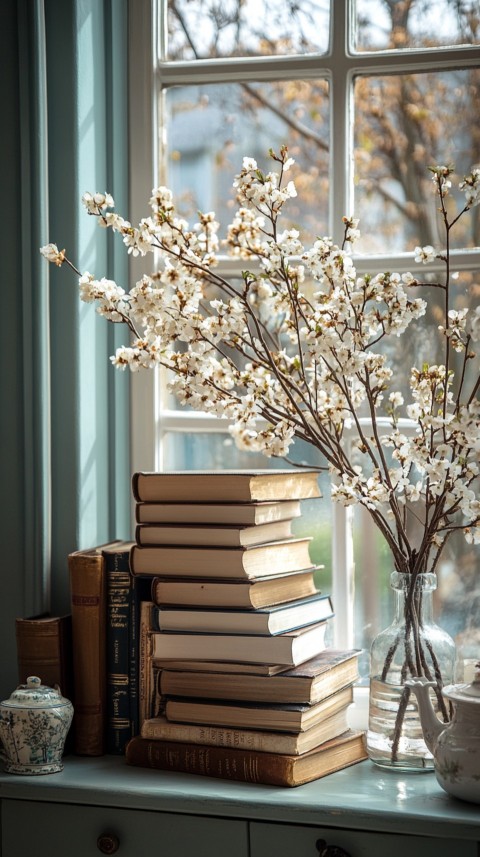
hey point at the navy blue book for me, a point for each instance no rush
(124, 594)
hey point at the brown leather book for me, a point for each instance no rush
(249, 766)
(89, 610)
(44, 649)
(308, 683)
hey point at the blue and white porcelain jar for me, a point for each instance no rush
(34, 723)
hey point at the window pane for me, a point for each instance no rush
(243, 28)
(399, 24)
(212, 127)
(403, 124)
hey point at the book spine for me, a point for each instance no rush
(140, 592)
(44, 649)
(247, 766)
(88, 600)
(117, 572)
(135, 492)
(145, 666)
(218, 736)
(157, 699)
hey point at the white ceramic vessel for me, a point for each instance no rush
(455, 746)
(34, 723)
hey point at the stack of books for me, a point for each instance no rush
(236, 676)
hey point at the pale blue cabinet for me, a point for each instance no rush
(37, 829)
(281, 840)
(102, 806)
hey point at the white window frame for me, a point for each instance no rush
(148, 76)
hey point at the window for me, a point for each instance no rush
(365, 97)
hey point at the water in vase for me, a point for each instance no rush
(412, 752)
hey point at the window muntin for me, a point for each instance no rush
(342, 70)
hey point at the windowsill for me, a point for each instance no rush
(361, 797)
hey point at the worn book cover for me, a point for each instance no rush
(212, 535)
(88, 588)
(293, 647)
(264, 740)
(117, 569)
(44, 649)
(264, 621)
(256, 593)
(230, 667)
(217, 513)
(317, 678)
(248, 766)
(148, 673)
(281, 717)
(232, 562)
(225, 486)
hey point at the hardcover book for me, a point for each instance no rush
(140, 594)
(88, 587)
(225, 486)
(44, 649)
(291, 648)
(212, 535)
(248, 766)
(265, 741)
(308, 683)
(117, 569)
(148, 691)
(265, 620)
(227, 669)
(256, 593)
(232, 514)
(245, 562)
(279, 717)
(230, 667)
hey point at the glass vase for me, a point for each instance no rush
(412, 645)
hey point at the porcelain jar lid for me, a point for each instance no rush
(34, 694)
(465, 692)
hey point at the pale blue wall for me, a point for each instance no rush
(64, 410)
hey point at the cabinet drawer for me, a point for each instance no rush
(36, 829)
(281, 840)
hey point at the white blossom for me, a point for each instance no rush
(472, 535)
(298, 346)
(424, 254)
(471, 186)
(396, 399)
(97, 202)
(53, 254)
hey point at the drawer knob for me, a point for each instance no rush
(325, 850)
(108, 843)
